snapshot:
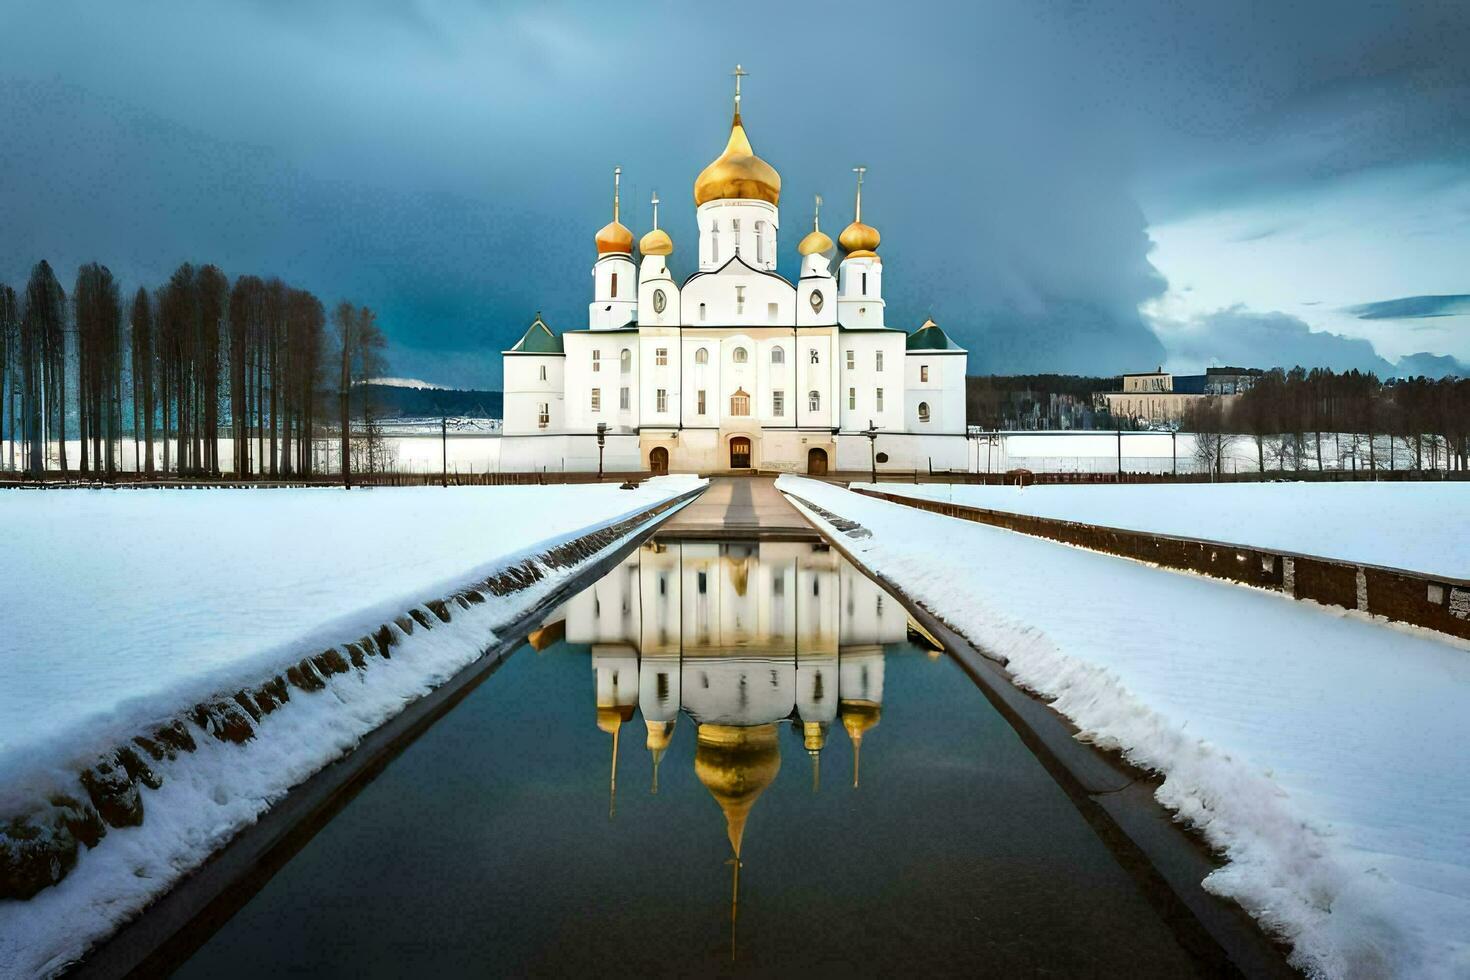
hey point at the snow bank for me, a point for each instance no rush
(218, 739)
(1322, 755)
(1401, 525)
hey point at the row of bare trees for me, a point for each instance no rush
(183, 366)
(1320, 419)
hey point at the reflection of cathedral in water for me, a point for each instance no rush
(739, 636)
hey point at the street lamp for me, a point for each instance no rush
(602, 428)
(872, 433)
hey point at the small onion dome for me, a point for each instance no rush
(860, 240)
(815, 243)
(656, 242)
(611, 717)
(614, 237)
(738, 174)
(813, 735)
(857, 717)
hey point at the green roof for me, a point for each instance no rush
(538, 339)
(930, 337)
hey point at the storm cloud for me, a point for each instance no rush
(448, 163)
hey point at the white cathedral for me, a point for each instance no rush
(738, 368)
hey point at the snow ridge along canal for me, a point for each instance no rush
(1321, 754)
(319, 615)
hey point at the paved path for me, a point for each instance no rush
(739, 507)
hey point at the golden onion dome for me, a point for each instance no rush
(738, 174)
(736, 765)
(859, 238)
(815, 243)
(858, 717)
(614, 237)
(656, 242)
(813, 735)
(659, 733)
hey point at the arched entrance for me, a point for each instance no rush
(739, 453)
(816, 462)
(658, 460)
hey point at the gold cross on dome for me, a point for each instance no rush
(655, 209)
(738, 73)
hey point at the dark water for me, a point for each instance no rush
(498, 843)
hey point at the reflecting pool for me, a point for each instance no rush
(723, 757)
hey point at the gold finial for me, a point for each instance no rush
(612, 798)
(858, 216)
(816, 771)
(617, 180)
(655, 210)
(739, 73)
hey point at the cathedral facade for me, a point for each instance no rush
(737, 367)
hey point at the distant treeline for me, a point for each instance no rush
(1036, 401)
(1287, 413)
(394, 401)
(174, 366)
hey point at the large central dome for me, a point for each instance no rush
(738, 174)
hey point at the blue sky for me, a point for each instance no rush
(1086, 188)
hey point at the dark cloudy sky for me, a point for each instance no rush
(1080, 187)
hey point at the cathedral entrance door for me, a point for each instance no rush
(739, 453)
(816, 462)
(658, 460)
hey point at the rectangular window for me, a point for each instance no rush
(597, 360)
(739, 299)
(778, 404)
(623, 398)
(773, 312)
(596, 399)
(543, 372)
(852, 399)
(615, 285)
(700, 409)
(878, 361)
(543, 415)
(923, 372)
(661, 356)
(880, 399)
(851, 360)
(661, 400)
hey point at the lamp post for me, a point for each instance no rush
(601, 441)
(872, 433)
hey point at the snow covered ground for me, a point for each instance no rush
(124, 608)
(1322, 754)
(1419, 526)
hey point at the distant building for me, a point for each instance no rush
(1161, 398)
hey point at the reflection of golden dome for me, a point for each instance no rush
(814, 736)
(859, 238)
(736, 765)
(614, 237)
(815, 243)
(656, 242)
(611, 717)
(738, 174)
(857, 718)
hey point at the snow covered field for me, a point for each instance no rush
(123, 608)
(1324, 755)
(1419, 526)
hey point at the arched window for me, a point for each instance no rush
(923, 411)
(760, 242)
(778, 355)
(614, 285)
(625, 360)
(740, 356)
(701, 311)
(740, 402)
(814, 401)
(701, 356)
(714, 241)
(543, 372)
(816, 358)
